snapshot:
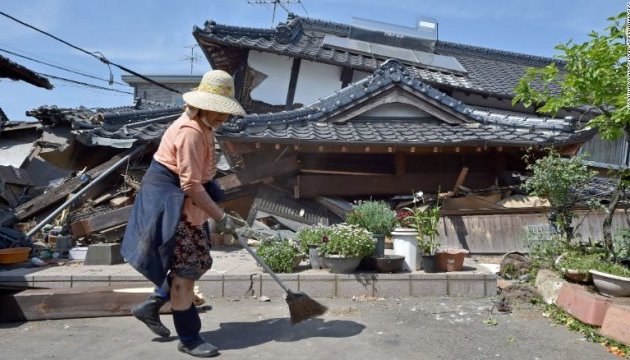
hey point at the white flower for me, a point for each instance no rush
(417, 196)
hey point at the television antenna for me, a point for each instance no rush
(193, 57)
(284, 4)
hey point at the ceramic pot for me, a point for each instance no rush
(389, 263)
(573, 275)
(341, 265)
(450, 259)
(406, 244)
(611, 285)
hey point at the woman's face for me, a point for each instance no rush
(214, 119)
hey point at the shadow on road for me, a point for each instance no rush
(241, 335)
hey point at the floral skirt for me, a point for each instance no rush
(191, 256)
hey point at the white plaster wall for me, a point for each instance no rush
(315, 81)
(395, 110)
(273, 89)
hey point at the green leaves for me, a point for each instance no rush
(374, 216)
(594, 75)
(349, 241)
(561, 181)
(278, 254)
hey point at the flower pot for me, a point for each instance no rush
(573, 275)
(429, 264)
(314, 259)
(450, 259)
(341, 265)
(389, 263)
(379, 251)
(406, 244)
(611, 285)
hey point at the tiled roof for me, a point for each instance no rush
(117, 127)
(12, 70)
(481, 126)
(110, 119)
(489, 71)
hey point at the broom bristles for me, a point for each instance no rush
(302, 307)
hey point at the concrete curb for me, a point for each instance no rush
(236, 275)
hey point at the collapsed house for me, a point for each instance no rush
(337, 113)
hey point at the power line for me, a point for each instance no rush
(61, 67)
(275, 3)
(100, 56)
(84, 84)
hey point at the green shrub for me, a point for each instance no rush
(612, 268)
(581, 262)
(621, 244)
(374, 216)
(311, 235)
(594, 261)
(349, 241)
(278, 254)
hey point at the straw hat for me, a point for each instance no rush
(215, 93)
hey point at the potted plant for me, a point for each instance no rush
(575, 266)
(282, 255)
(345, 246)
(310, 238)
(425, 219)
(405, 239)
(376, 217)
(611, 279)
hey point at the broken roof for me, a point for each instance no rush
(452, 123)
(14, 71)
(118, 127)
(487, 71)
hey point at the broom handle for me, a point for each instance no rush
(262, 263)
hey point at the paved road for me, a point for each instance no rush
(365, 329)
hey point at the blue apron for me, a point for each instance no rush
(149, 237)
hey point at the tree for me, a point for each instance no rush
(561, 181)
(593, 76)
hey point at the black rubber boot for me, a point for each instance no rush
(188, 324)
(149, 313)
(199, 348)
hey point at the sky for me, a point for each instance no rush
(153, 37)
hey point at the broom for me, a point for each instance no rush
(301, 306)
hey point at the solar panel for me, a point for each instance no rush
(421, 38)
(386, 52)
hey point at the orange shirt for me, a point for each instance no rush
(187, 149)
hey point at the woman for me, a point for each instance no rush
(165, 239)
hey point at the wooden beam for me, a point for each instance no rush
(401, 166)
(101, 221)
(229, 182)
(295, 71)
(347, 185)
(341, 172)
(69, 303)
(49, 198)
(460, 180)
(267, 169)
(345, 77)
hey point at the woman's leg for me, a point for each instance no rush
(191, 259)
(181, 293)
